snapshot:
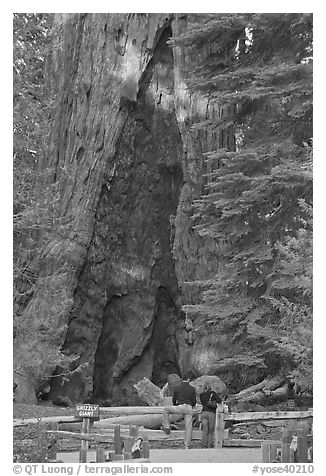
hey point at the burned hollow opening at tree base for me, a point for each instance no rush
(126, 321)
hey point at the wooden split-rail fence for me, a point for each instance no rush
(290, 448)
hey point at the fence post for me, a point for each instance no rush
(100, 455)
(219, 426)
(117, 441)
(302, 446)
(286, 441)
(111, 455)
(82, 455)
(266, 452)
(273, 453)
(84, 443)
(127, 444)
(145, 447)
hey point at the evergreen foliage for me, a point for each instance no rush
(257, 204)
(35, 198)
(30, 134)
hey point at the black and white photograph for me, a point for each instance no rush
(162, 241)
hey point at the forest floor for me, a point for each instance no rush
(32, 443)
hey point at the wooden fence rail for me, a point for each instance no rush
(107, 436)
(250, 416)
(244, 416)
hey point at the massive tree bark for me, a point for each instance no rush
(105, 62)
(126, 166)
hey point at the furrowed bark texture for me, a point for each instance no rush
(127, 166)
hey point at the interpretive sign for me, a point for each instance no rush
(87, 410)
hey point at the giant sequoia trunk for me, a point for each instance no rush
(127, 167)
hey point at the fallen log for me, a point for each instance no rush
(280, 393)
(268, 384)
(270, 390)
(148, 392)
(152, 421)
(152, 395)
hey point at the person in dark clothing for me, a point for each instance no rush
(209, 399)
(184, 393)
(183, 399)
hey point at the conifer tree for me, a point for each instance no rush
(258, 200)
(31, 128)
(34, 199)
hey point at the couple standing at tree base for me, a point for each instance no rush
(184, 402)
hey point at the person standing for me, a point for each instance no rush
(209, 399)
(184, 400)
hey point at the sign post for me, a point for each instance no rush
(87, 412)
(219, 426)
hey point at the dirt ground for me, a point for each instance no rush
(223, 455)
